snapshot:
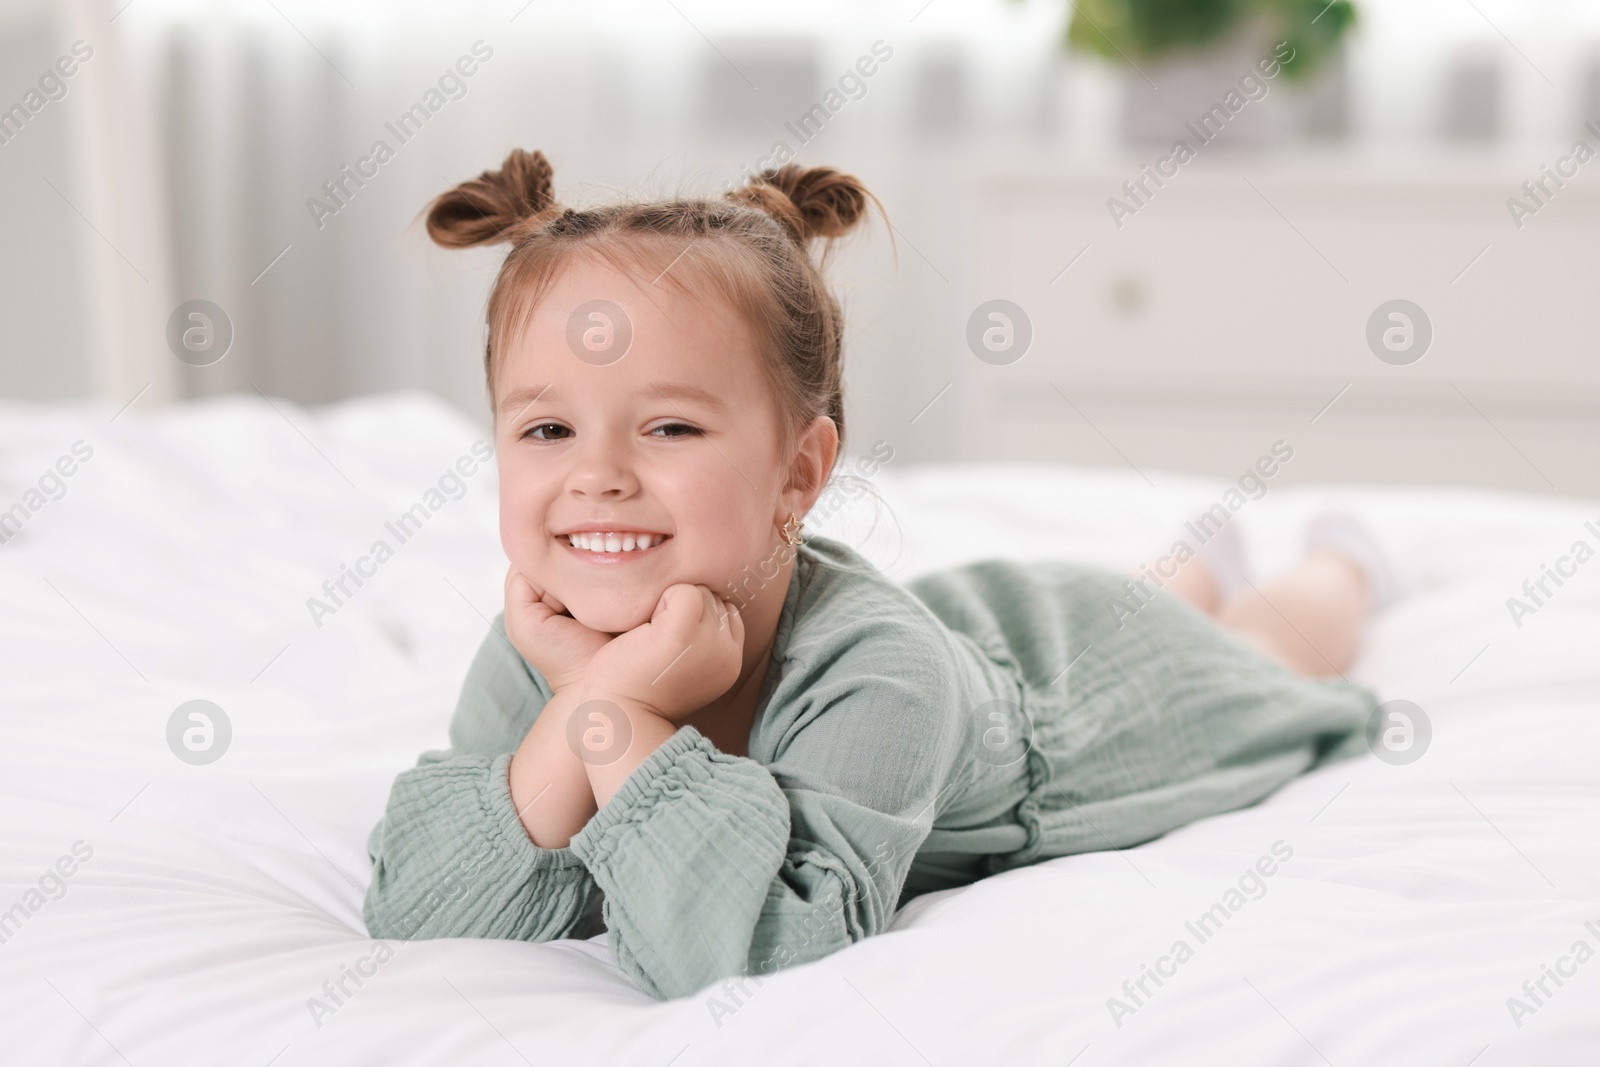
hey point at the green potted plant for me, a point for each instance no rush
(1179, 57)
(1154, 29)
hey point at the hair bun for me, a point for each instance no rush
(808, 201)
(497, 205)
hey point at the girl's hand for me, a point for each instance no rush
(559, 646)
(687, 655)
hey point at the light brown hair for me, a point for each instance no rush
(751, 249)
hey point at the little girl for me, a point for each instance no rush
(740, 748)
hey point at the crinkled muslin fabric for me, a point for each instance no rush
(908, 739)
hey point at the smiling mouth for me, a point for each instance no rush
(611, 544)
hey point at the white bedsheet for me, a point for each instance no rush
(219, 899)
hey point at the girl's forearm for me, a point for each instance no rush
(549, 783)
(646, 733)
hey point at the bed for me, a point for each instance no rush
(188, 890)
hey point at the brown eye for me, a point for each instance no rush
(677, 429)
(534, 431)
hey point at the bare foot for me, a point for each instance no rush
(1195, 583)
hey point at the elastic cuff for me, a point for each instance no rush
(505, 825)
(661, 774)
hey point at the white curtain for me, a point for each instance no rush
(201, 134)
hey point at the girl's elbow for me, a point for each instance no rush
(673, 983)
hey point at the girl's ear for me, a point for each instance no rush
(817, 449)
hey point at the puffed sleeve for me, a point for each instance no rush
(450, 857)
(715, 865)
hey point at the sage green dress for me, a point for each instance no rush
(908, 738)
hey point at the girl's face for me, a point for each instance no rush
(676, 439)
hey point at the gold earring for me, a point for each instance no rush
(791, 531)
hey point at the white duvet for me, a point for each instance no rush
(160, 911)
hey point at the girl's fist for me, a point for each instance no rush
(687, 655)
(559, 646)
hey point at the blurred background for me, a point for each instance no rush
(1424, 151)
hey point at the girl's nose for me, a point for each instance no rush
(602, 470)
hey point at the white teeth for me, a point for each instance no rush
(598, 541)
